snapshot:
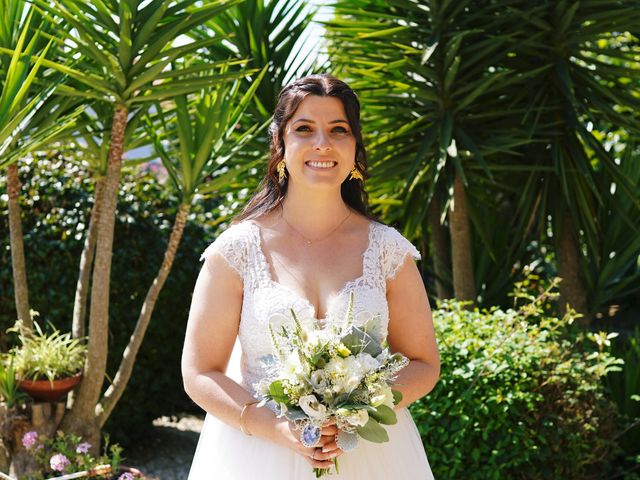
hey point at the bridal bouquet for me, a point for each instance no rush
(342, 373)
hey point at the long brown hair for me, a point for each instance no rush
(271, 192)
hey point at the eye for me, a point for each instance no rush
(340, 130)
(303, 128)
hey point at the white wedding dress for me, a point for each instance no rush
(225, 453)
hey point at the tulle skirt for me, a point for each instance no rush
(224, 453)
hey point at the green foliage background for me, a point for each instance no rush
(520, 397)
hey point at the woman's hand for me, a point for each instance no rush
(327, 448)
(320, 456)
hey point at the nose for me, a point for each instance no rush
(322, 142)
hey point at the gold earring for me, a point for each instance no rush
(356, 174)
(282, 174)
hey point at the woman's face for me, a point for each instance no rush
(319, 147)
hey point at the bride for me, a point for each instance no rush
(304, 241)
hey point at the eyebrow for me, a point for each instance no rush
(311, 121)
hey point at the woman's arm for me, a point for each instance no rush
(411, 333)
(211, 333)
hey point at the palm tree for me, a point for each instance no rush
(29, 118)
(122, 53)
(89, 142)
(198, 138)
(587, 80)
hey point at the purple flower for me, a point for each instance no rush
(126, 476)
(59, 462)
(83, 447)
(29, 439)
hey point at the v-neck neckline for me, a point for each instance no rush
(346, 286)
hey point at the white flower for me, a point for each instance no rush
(384, 396)
(345, 374)
(312, 407)
(357, 418)
(293, 369)
(367, 362)
(319, 381)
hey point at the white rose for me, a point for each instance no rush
(312, 407)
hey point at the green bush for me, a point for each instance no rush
(520, 396)
(56, 206)
(624, 389)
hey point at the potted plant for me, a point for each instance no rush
(47, 365)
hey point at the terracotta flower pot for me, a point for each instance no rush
(47, 391)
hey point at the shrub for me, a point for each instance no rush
(520, 395)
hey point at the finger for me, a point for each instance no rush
(331, 447)
(324, 439)
(330, 430)
(318, 461)
(317, 464)
(319, 455)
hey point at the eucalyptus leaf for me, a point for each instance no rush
(373, 432)
(384, 415)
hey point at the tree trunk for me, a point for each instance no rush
(86, 262)
(20, 287)
(572, 287)
(81, 419)
(440, 248)
(463, 281)
(116, 389)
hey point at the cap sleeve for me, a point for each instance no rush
(396, 248)
(232, 246)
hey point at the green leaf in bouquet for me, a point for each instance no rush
(356, 406)
(357, 340)
(341, 400)
(318, 360)
(276, 392)
(294, 414)
(384, 415)
(373, 432)
(397, 397)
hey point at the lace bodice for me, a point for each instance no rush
(266, 301)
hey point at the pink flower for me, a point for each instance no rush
(29, 439)
(126, 476)
(59, 462)
(83, 447)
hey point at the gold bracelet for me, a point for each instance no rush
(244, 407)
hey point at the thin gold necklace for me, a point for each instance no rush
(308, 242)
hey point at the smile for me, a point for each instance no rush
(329, 164)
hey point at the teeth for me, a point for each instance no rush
(321, 164)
